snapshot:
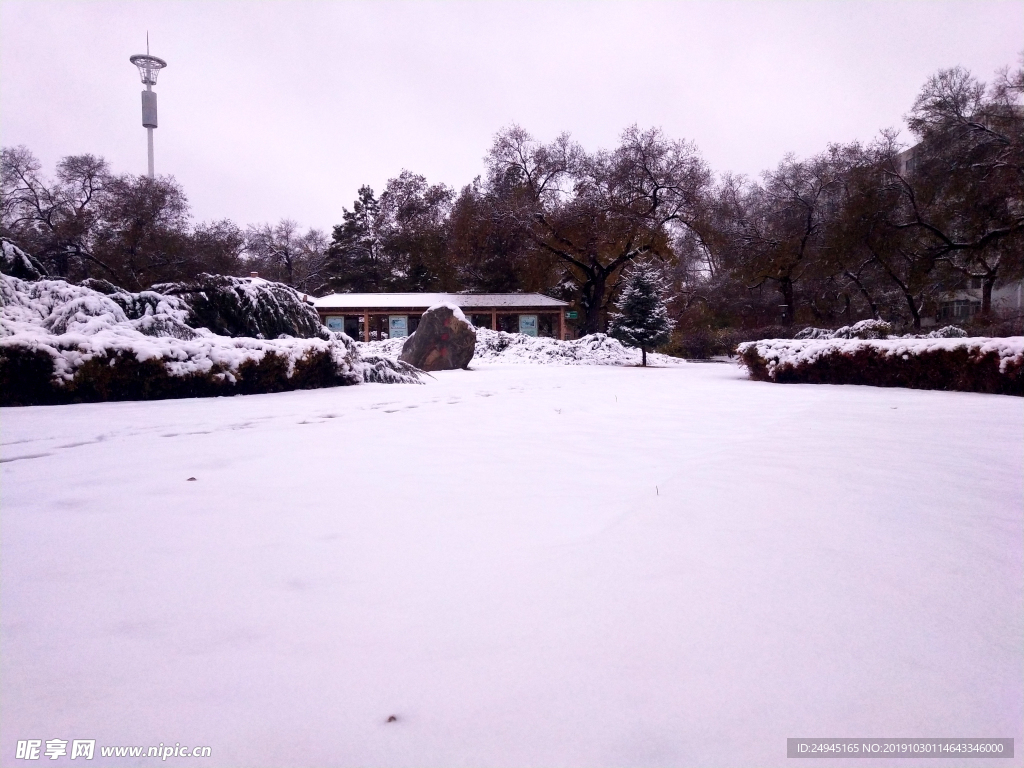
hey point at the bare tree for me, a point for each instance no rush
(596, 212)
(963, 199)
(284, 253)
(142, 231)
(54, 220)
(218, 247)
(88, 222)
(780, 225)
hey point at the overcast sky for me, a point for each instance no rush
(273, 110)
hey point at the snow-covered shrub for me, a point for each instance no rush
(378, 369)
(69, 343)
(17, 263)
(814, 333)
(594, 349)
(501, 347)
(993, 365)
(865, 329)
(84, 314)
(947, 332)
(228, 306)
(164, 325)
(236, 306)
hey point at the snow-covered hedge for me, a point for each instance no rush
(64, 343)
(877, 329)
(226, 306)
(110, 366)
(993, 365)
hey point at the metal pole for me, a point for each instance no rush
(149, 136)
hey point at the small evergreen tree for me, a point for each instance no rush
(642, 319)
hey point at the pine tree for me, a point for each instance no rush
(354, 258)
(642, 319)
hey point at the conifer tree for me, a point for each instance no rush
(642, 318)
(354, 259)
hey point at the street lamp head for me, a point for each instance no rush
(149, 67)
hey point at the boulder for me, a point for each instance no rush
(443, 341)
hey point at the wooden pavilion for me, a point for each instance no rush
(372, 316)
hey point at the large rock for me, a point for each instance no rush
(443, 341)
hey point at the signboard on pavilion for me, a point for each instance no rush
(398, 326)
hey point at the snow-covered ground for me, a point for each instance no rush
(525, 565)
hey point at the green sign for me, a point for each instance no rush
(571, 315)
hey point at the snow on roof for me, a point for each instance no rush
(425, 300)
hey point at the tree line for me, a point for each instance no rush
(857, 231)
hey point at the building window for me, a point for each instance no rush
(976, 283)
(960, 310)
(508, 323)
(354, 327)
(547, 325)
(481, 321)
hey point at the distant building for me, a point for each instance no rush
(372, 316)
(961, 305)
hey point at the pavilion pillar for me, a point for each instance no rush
(366, 325)
(561, 325)
(494, 318)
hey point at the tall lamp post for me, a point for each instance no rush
(149, 68)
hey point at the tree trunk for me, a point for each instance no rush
(867, 296)
(786, 288)
(986, 293)
(593, 299)
(914, 312)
